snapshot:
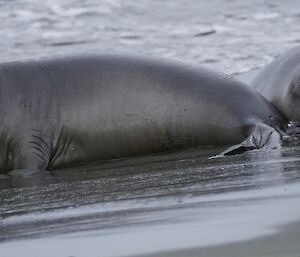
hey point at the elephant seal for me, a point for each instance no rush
(279, 83)
(66, 110)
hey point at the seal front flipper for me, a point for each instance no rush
(261, 137)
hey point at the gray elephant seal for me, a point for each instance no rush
(63, 111)
(279, 83)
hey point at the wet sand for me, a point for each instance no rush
(180, 203)
(260, 222)
(284, 242)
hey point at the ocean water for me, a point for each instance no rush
(230, 36)
(161, 202)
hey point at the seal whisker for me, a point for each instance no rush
(57, 153)
(40, 139)
(41, 156)
(39, 148)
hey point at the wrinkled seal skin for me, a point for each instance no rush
(63, 111)
(279, 83)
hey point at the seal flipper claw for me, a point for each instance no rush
(237, 149)
(261, 137)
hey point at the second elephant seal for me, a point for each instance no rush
(279, 83)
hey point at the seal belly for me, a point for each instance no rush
(135, 127)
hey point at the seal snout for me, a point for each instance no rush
(294, 128)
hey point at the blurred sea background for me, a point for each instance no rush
(230, 36)
(173, 204)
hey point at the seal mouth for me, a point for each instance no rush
(293, 128)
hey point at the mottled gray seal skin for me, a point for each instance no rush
(63, 111)
(279, 83)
